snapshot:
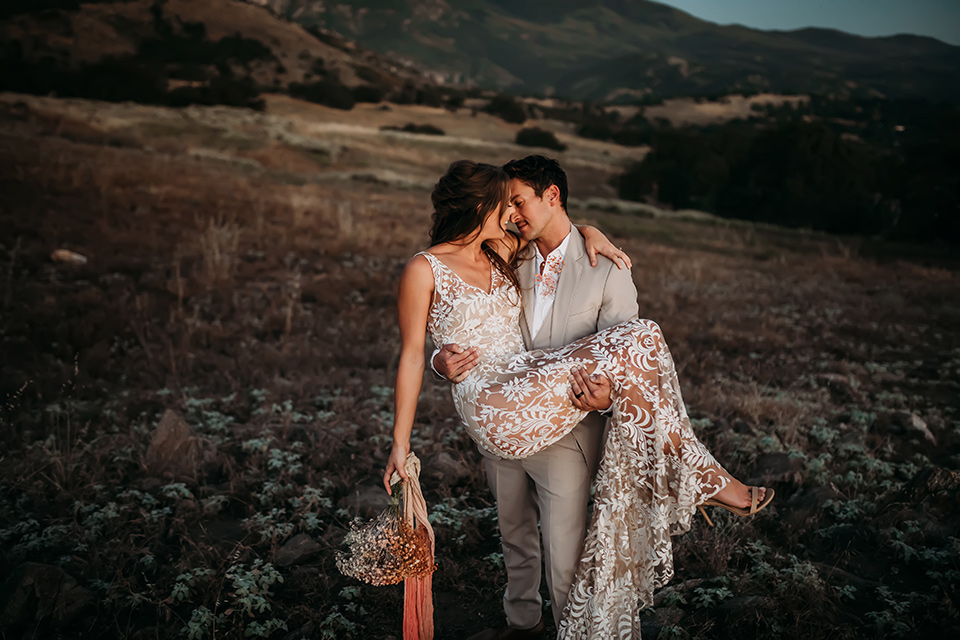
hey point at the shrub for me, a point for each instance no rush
(328, 92)
(319, 67)
(196, 49)
(412, 94)
(11, 8)
(111, 79)
(636, 132)
(369, 93)
(368, 74)
(455, 100)
(331, 38)
(633, 137)
(429, 96)
(426, 129)
(535, 137)
(191, 72)
(234, 92)
(596, 130)
(405, 95)
(797, 175)
(507, 108)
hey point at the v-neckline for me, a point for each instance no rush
(460, 278)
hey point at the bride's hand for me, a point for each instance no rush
(596, 243)
(396, 462)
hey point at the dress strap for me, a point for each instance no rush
(435, 264)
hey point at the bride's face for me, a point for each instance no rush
(495, 224)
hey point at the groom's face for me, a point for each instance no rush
(532, 214)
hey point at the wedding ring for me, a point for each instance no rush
(577, 395)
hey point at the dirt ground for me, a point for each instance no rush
(241, 273)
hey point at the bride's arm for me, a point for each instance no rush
(413, 306)
(594, 239)
(596, 242)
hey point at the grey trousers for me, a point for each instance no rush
(551, 487)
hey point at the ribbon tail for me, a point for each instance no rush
(418, 608)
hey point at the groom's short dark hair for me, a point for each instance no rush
(539, 173)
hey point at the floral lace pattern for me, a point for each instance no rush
(654, 470)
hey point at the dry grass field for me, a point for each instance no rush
(191, 418)
(686, 111)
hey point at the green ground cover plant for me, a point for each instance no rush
(190, 420)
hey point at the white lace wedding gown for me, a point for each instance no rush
(654, 471)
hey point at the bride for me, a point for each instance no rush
(654, 471)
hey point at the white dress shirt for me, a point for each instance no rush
(545, 287)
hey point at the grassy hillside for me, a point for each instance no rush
(66, 47)
(591, 49)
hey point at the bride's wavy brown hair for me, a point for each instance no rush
(462, 199)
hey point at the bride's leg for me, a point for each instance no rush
(648, 402)
(653, 475)
(525, 408)
(735, 493)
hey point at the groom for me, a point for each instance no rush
(564, 299)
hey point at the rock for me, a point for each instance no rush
(299, 548)
(688, 585)
(843, 388)
(915, 423)
(175, 452)
(68, 257)
(745, 607)
(306, 631)
(833, 575)
(365, 501)
(37, 592)
(306, 572)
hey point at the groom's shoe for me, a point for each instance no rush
(509, 633)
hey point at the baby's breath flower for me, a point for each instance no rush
(387, 550)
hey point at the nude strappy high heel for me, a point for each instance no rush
(755, 505)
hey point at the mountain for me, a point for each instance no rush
(599, 49)
(208, 50)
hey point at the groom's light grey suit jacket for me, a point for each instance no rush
(588, 299)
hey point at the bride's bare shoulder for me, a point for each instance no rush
(418, 269)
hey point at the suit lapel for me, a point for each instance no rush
(573, 264)
(527, 274)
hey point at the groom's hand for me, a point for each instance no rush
(454, 363)
(589, 392)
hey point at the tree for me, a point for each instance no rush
(535, 137)
(506, 108)
(328, 92)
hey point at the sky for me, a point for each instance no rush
(936, 18)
